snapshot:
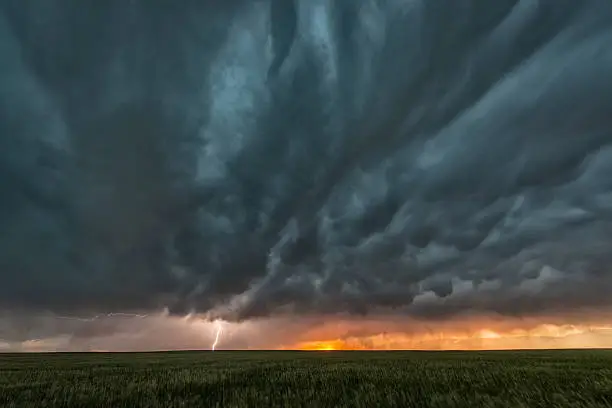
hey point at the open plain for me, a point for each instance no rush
(561, 378)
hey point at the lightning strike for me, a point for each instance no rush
(217, 335)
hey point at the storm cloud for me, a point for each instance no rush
(258, 158)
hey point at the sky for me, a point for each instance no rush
(372, 174)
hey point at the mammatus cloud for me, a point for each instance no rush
(266, 158)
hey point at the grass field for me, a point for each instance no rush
(566, 378)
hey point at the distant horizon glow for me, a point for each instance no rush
(166, 333)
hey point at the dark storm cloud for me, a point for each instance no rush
(262, 157)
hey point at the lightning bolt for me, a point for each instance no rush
(98, 317)
(217, 335)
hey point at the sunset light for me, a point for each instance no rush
(545, 336)
(322, 346)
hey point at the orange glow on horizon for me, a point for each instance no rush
(543, 336)
(326, 333)
(323, 346)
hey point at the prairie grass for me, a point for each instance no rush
(564, 378)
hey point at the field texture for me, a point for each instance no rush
(309, 379)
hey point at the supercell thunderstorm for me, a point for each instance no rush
(263, 158)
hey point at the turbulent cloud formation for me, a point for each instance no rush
(274, 157)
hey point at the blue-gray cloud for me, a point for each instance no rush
(306, 156)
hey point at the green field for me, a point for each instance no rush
(309, 379)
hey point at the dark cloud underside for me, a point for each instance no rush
(306, 156)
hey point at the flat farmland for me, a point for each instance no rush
(562, 378)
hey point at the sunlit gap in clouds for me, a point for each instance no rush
(539, 337)
(467, 333)
(124, 333)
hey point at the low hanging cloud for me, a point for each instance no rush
(273, 158)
